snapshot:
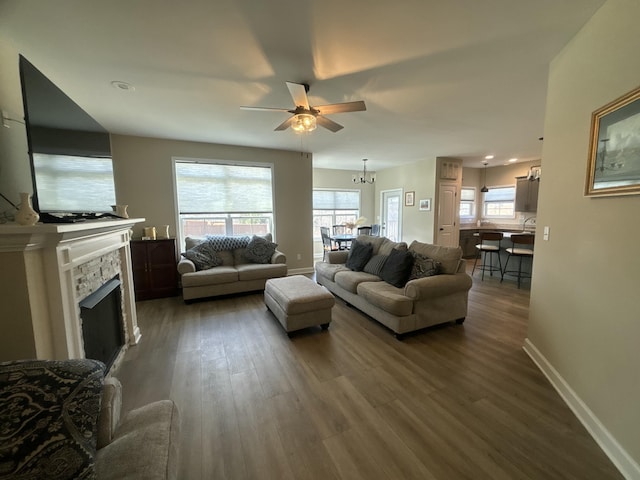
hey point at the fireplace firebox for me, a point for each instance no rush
(102, 325)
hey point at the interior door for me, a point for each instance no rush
(447, 232)
(391, 214)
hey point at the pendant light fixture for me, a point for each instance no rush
(484, 188)
(363, 177)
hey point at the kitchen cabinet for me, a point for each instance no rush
(154, 267)
(468, 241)
(526, 194)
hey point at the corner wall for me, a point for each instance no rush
(585, 304)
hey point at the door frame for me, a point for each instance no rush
(383, 230)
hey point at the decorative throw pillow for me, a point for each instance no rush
(375, 264)
(260, 250)
(423, 266)
(204, 255)
(397, 268)
(48, 413)
(359, 255)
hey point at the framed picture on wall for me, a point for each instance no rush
(425, 204)
(409, 199)
(614, 149)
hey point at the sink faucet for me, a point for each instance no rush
(526, 220)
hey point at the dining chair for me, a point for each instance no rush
(375, 229)
(327, 244)
(339, 229)
(521, 247)
(489, 246)
(364, 230)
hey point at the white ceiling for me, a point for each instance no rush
(456, 78)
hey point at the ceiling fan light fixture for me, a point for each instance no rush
(303, 122)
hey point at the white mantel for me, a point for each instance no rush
(41, 317)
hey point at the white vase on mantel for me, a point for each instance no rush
(26, 215)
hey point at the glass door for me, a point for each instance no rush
(391, 214)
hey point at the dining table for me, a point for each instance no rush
(343, 238)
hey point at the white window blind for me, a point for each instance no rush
(74, 184)
(221, 188)
(336, 200)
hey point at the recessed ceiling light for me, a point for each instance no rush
(489, 157)
(120, 85)
(511, 160)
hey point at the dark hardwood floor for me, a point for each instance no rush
(453, 402)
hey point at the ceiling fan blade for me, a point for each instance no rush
(267, 109)
(328, 124)
(299, 94)
(358, 106)
(284, 125)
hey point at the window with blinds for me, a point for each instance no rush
(74, 184)
(499, 202)
(468, 203)
(224, 199)
(333, 207)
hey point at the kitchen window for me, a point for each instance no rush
(467, 203)
(499, 202)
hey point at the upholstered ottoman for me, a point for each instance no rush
(298, 302)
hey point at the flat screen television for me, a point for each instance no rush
(70, 153)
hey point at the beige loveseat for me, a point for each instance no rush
(236, 273)
(61, 420)
(420, 303)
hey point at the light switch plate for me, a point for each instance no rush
(545, 233)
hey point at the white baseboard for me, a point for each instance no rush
(618, 455)
(300, 271)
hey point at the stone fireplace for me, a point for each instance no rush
(47, 271)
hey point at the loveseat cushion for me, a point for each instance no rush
(449, 257)
(386, 297)
(260, 250)
(203, 256)
(145, 445)
(350, 280)
(257, 271)
(48, 414)
(214, 276)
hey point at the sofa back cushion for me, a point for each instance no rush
(381, 245)
(448, 257)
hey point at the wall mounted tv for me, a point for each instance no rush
(70, 152)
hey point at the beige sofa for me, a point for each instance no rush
(236, 274)
(421, 303)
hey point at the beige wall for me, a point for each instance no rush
(143, 172)
(419, 177)
(15, 173)
(585, 305)
(329, 178)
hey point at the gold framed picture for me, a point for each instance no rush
(614, 149)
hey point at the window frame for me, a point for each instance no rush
(512, 201)
(474, 208)
(226, 217)
(345, 215)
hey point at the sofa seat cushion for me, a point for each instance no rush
(386, 297)
(350, 280)
(213, 276)
(329, 270)
(258, 271)
(145, 445)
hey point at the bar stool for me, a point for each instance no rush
(489, 245)
(521, 247)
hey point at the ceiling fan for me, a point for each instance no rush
(305, 117)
